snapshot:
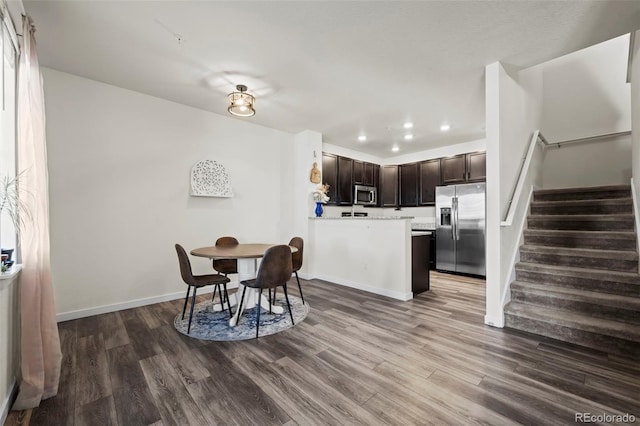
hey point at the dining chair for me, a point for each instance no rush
(197, 281)
(225, 266)
(275, 269)
(296, 259)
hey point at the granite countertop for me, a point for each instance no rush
(364, 218)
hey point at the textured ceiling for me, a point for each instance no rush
(340, 68)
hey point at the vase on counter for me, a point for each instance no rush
(319, 210)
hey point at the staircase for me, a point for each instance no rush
(577, 279)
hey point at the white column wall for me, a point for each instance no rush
(119, 171)
(635, 124)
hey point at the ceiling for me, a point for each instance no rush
(342, 68)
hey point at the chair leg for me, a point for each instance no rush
(274, 294)
(258, 314)
(241, 300)
(226, 296)
(284, 286)
(269, 300)
(221, 298)
(213, 298)
(186, 299)
(299, 287)
(193, 303)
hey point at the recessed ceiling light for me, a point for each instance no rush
(395, 148)
(362, 138)
(444, 127)
(408, 137)
(408, 125)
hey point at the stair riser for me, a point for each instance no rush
(585, 307)
(580, 242)
(581, 225)
(590, 209)
(578, 261)
(564, 196)
(597, 341)
(594, 284)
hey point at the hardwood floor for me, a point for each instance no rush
(358, 358)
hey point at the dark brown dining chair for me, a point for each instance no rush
(197, 281)
(275, 269)
(296, 259)
(225, 266)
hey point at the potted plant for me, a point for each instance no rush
(320, 197)
(11, 204)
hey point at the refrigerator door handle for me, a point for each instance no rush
(455, 219)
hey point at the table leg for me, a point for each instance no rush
(247, 271)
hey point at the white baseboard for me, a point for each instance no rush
(497, 322)
(382, 292)
(6, 404)
(97, 310)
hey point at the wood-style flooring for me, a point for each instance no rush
(358, 358)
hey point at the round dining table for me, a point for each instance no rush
(246, 255)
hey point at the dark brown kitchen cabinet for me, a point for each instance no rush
(345, 181)
(368, 176)
(388, 186)
(428, 179)
(476, 166)
(330, 176)
(376, 183)
(358, 172)
(408, 182)
(454, 169)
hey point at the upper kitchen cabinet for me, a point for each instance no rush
(363, 173)
(330, 176)
(368, 176)
(454, 169)
(463, 168)
(408, 185)
(388, 186)
(358, 172)
(428, 179)
(345, 181)
(476, 166)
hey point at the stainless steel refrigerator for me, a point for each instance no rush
(460, 228)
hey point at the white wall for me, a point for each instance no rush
(9, 341)
(585, 92)
(601, 162)
(119, 164)
(635, 120)
(443, 151)
(350, 153)
(513, 108)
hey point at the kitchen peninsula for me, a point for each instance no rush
(368, 253)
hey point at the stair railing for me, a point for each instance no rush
(526, 161)
(516, 193)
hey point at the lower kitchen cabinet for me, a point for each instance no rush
(419, 263)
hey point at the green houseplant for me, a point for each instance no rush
(13, 206)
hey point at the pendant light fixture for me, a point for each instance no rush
(241, 103)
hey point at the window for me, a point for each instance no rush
(8, 47)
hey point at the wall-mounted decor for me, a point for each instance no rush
(210, 179)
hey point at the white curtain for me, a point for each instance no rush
(40, 354)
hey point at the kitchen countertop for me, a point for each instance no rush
(364, 218)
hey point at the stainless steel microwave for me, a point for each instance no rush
(365, 195)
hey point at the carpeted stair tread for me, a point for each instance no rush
(583, 206)
(616, 282)
(583, 217)
(605, 240)
(591, 253)
(575, 294)
(614, 235)
(597, 192)
(569, 319)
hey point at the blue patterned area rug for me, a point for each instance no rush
(210, 325)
